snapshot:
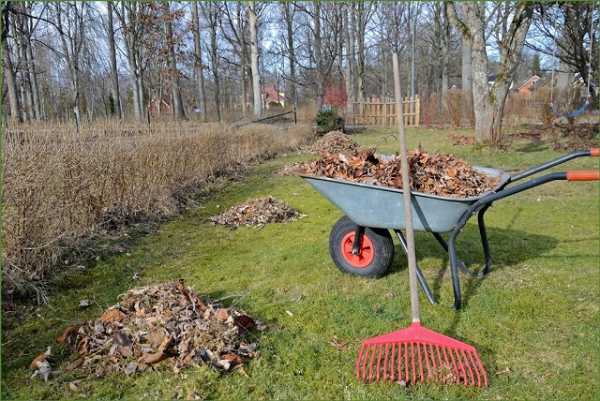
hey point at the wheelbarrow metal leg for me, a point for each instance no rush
(454, 265)
(420, 277)
(444, 244)
(484, 241)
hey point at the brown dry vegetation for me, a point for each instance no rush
(62, 186)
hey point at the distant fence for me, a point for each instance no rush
(382, 112)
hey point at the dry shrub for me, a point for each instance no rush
(458, 113)
(62, 186)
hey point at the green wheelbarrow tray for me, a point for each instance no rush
(380, 208)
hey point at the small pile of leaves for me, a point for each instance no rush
(436, 174)
(166, 323)
(257, 212)
(463, 140)
(334, 142)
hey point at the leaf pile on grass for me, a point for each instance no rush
(166, 323)
(257, 212)
(437, 174)
(334, 142)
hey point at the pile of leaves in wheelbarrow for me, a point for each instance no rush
(437, 174)
(334, 142)
(167, 323)
(257, 212)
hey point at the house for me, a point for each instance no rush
(272, 98)
(530, 85)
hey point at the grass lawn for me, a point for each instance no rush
(534, 319)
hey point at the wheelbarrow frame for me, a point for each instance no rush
(477, 206)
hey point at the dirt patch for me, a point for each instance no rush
(436, 174)
(167, 323)
(334, 142)
(257, 212)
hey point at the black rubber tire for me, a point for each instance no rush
(383, 247)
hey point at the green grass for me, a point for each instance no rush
(534, 319)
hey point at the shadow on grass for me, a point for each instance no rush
(508, 247)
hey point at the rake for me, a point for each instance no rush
(416, 354)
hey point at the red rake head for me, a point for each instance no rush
(418, 355)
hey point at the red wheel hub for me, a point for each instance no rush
(365, 255)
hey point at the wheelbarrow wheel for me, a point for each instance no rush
(374, 257)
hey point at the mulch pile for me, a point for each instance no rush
(257, 212)
(166, 323)
(436, 174)
(334, 142)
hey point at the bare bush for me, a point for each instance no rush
(62, 186)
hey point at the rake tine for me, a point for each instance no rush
(468, 363)
(374, 351)
(385, 362)
(378, 363)
(364, 367)
(428, 376)
(406, 374)
(420, 360)
(358, 359)
(392, 363)
(472, 360)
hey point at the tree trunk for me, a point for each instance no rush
(178, 110)
(349, 79)
(289, 19)
(214, 54)
(114, 75)
(445, 36)
(319, 55)
(198, 69)
(254, 63)
(360, 38)
(413, 51)
(11, 83)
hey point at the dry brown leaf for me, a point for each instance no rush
(112, 315)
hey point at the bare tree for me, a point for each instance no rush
(489, 100)
(9, 72)
(178, 110)
(254, 61)
(70, 21)
(198, 67)
(211, 11)
(288, 15)
(569, 32)
(114, 74)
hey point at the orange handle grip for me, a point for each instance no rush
(595, 152)
(583, 175)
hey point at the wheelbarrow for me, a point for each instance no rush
(360, 242)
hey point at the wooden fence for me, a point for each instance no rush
(382, 112)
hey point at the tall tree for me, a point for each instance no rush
(71, 19)
(489, 100)
(9, 71)
(254, 61)
(112, 53)
(177, 100)
(288, 15)
(211, 11)
(198, 67)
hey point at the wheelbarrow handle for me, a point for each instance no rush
(583, 175)
(593, 152)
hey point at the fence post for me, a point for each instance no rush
(417, 110)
